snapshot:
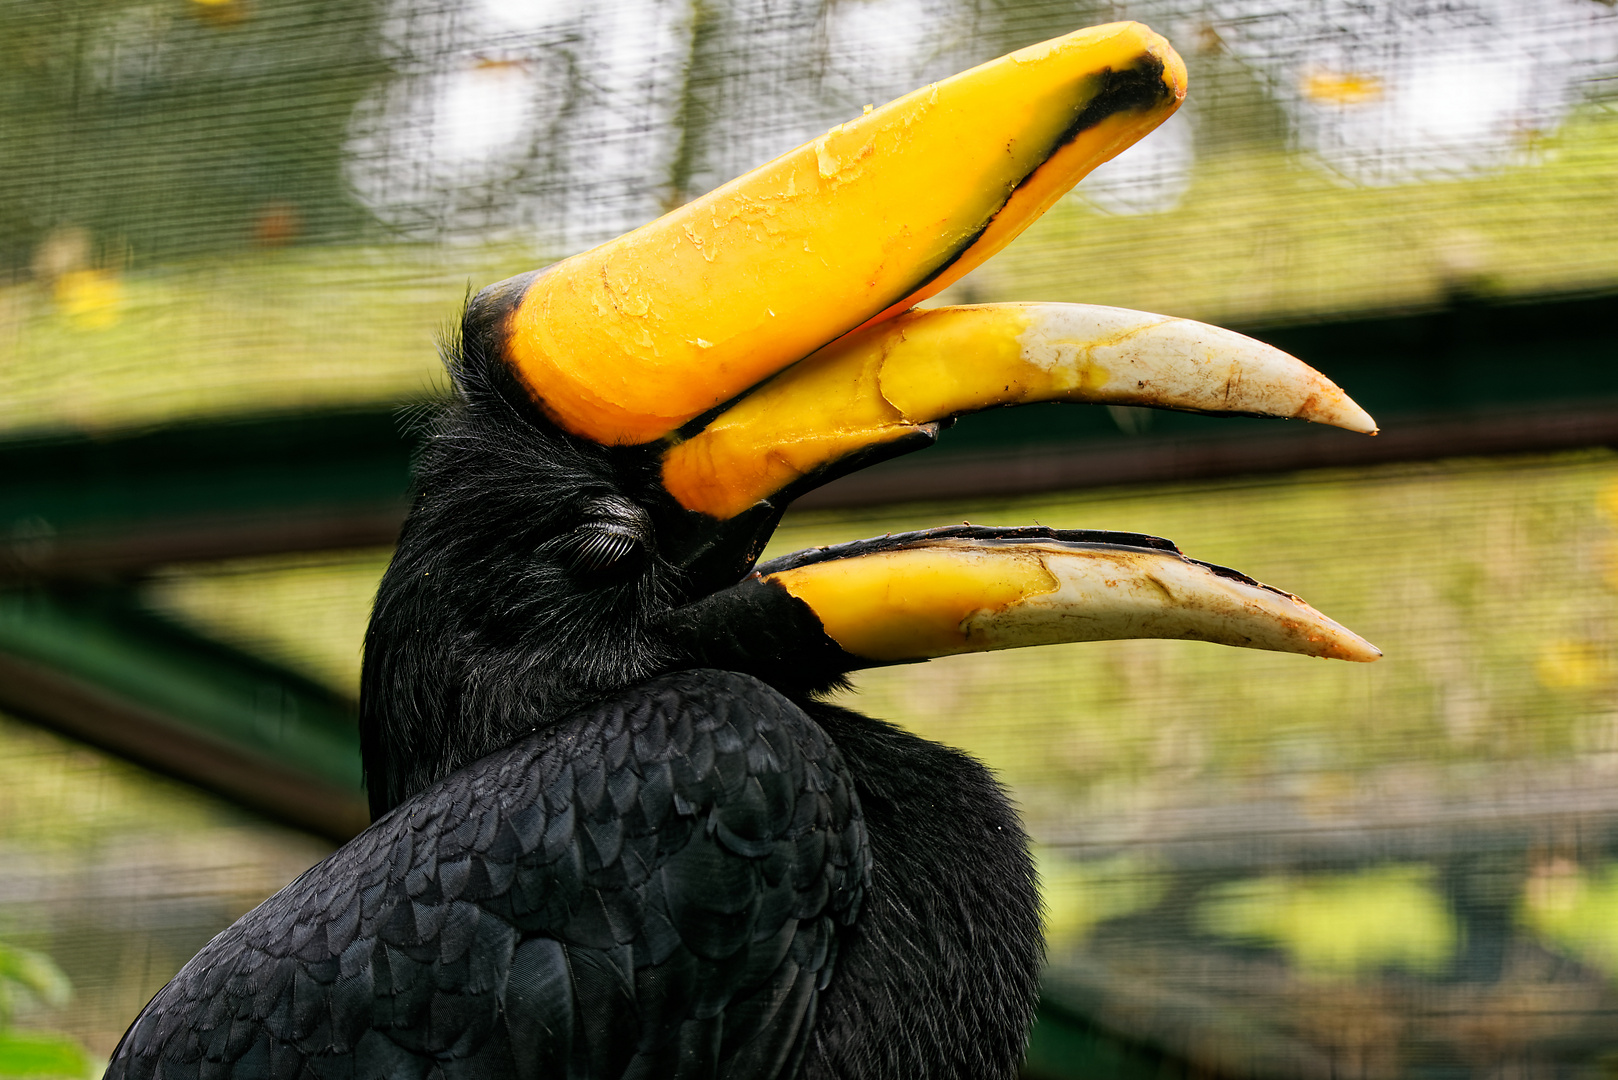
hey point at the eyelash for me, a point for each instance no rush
(615, 535)
(600, 546)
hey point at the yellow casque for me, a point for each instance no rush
(626, 342)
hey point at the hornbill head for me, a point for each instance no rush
(630, 423)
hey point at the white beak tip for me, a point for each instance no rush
(1358, 420)
(1340, 411)
(1359, 651)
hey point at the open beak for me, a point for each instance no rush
(760, 341)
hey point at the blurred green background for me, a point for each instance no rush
(231, 229)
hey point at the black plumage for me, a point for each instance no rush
(655, 888)
(606, 846)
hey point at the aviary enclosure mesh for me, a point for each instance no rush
(1291, 867)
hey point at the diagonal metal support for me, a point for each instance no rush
(92, 664)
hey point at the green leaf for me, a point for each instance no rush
(42, 1054)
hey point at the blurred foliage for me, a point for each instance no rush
(1080, 895)
(44, 1055)
(32, 977)
(307, 614)
(1338, 924)
(57, 798)
(1577, 908)
(32, 974)
(300, 327)
(1256, 238)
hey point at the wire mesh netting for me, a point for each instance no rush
(236, 205)
(1258, 863)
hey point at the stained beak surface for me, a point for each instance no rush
(627, 342)
(898, 376)
(949, 591)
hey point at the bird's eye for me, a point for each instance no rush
(611, 542)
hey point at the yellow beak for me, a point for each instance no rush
(625, 343)
(937, 594)
(914, 596)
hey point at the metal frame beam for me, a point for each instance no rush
(1473, 378)
(89, 662)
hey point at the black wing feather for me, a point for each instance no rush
(654, 888)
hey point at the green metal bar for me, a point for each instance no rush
(89, 661)
(1473, 378)
(80, 505)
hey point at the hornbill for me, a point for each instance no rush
(619, 831)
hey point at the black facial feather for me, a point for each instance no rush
(523, 585)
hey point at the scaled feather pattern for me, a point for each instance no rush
(655, 890)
